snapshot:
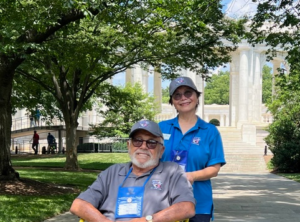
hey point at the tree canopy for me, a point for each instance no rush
(216, 90)
(276, 24)
(165, 95)
(267, 78)
(122, 107)
(70, 49)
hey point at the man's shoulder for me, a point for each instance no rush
(120, 168)
(170, 167)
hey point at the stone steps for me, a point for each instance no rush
(240, 156)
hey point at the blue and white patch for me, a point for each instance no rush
(179, 80)
(156, 185)
(196, 140)
(144, 123)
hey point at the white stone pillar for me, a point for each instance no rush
(227, 120)
(85, 120)
(199, 82)
(157, 90)
(260, 60)
(233, 89)
(145, 77)
(222, 120)
(243, 87)
(135, 75)
(128, 76)
(206, 118)
(251, 90)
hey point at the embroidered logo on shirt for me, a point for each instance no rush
(156, 184)
(196, 140)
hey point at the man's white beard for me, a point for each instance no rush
(149, 163)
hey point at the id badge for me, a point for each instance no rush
(129, 202)
(180, 157)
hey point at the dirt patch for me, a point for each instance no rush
(28, 187)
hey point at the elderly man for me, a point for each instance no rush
(143, 190)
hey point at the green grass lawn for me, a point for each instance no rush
(91, 161)
(17, 208)
(291, 176)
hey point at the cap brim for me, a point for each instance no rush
(134, 131)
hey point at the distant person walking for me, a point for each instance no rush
(32, 124)
(37, 117)
(51, 143)
(50, 139)
(35, 142)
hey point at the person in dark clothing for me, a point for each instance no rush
(51, 143)
(35, 142)
(37, 117)
(32, 124)
(50, 139)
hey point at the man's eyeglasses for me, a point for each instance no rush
(178, 96)
(151, 144)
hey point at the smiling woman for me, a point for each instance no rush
(194, 144)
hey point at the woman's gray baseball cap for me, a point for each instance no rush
(148, 125)
(181, 81)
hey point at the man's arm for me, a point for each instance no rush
(178, 211)
(87, 211)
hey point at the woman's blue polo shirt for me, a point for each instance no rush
(205, 148)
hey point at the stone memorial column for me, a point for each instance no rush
(234, 89)
(157, 91)
(243, 86)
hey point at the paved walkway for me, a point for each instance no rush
(262, 197)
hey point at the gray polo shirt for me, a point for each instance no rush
(168, 185)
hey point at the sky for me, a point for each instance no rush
(232, 8)
(239, 8)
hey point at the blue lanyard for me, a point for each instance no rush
(144, 182)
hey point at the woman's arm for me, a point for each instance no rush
(204, 174)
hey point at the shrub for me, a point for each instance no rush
(215, 122)
(284, 139)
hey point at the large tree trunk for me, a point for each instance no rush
(71, 149)
(7, 69)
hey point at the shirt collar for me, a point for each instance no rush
(200, 123)
(127, 166)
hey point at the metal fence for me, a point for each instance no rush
(104, 145)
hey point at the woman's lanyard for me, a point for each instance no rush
(180, 156)
(130, 199)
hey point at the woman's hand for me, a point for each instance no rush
(190, 177)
